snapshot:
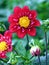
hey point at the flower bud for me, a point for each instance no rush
(45, 25)
(35, 50)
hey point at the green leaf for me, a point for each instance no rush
(13, 59)
(20, 48)
(2, 27)
(28, 55)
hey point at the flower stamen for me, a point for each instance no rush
(24, 21)
(3, 46)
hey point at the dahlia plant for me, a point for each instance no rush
(23, 23)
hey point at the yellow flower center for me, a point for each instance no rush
(24, 21)
(3, 46)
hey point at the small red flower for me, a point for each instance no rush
(5, 44)
(23, 21)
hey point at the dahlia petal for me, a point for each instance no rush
(13, 18)
(14, 27)
(9, 48)
(3, 55)
(37, 23)
(8, 41)
(1, 36)
(30, 16)
(21, 33)
(33, 13)
(17, 10)
(31, 31)
(26, 10)
(16, 17)
(10, 18)
(8, 33)
(31, 23)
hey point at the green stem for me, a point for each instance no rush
(31, 57)
(46, 46)
(39, 59)
(27, 46)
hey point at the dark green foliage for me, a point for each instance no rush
(43, 10)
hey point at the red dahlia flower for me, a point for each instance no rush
(5, 44)
(23, 21)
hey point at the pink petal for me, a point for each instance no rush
(3, 55)
(31, 31)
(10, 18)
(33, 13)
(9, 48)
(21, 33)
(36, 22)
(1, 37)
(13, 27)
(25, 10)
(8, 33)
(13, 18)
(8, 40)
(17, 10)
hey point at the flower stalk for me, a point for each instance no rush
(27, 46)
(39, 59)
(46, 46)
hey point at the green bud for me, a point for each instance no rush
(45, 25)
(13, 59)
